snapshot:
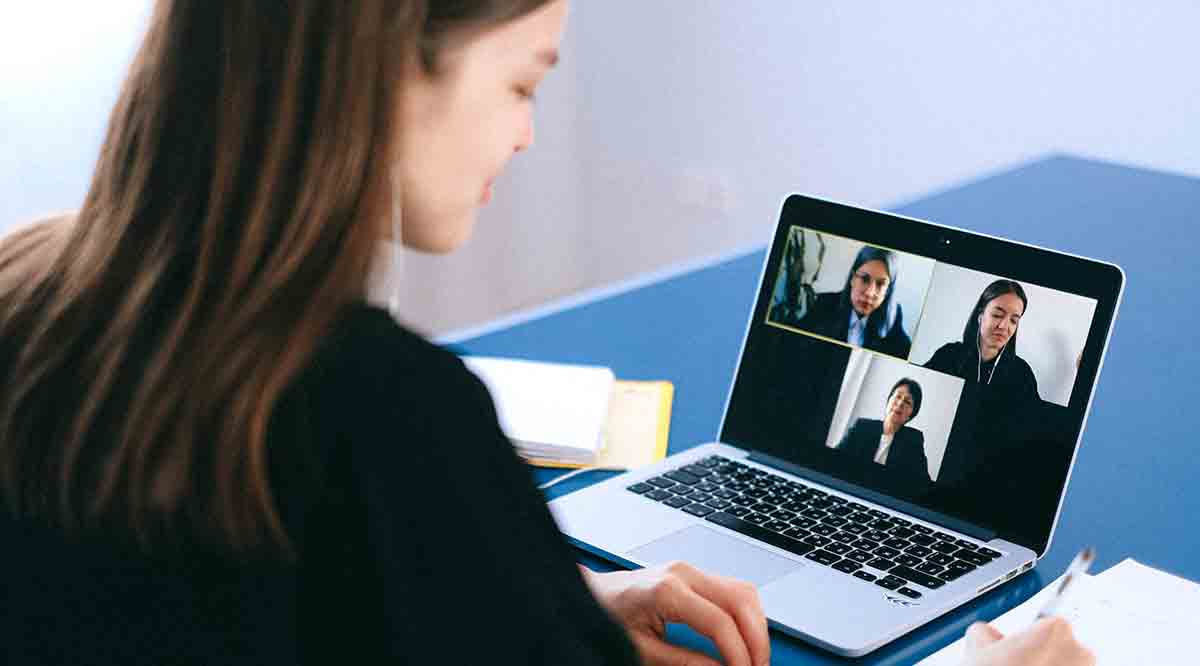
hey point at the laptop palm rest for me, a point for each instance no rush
(717, 553)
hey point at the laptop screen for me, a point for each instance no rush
(946, 369)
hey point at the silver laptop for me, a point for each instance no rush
(899, 433)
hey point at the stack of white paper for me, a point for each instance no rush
(551, 411)
(1131, 615)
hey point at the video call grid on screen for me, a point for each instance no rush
(933, 301)
(796, 400)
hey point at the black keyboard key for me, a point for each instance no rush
(725, 494)
(823, 556)
(959, 565)
(737, 511)
(658, 494)
(930, 568)
(973, 557)
(797, 533)
(861, 517)
(988, 552)
(818, 493)
(922, 579)
(900, 521)
(877, 513)
(838, 548)
(660, 482)
(862, 557)
(923, 540)
(764, 508)
(875, 535)
(941, 558)
(884, 551)
(890, 582)
(902, 532)
(836, 500)
(737, 486)
(718, 503)
(918, 551)
(706, 487)
(744, 500)
(920, 529)
(909, 592)
(777, 525)
(640, 488)
(824, 530)
(816, 540)
(950, 575)
(698, 510)
(820, 503)
(841, 511)
(697, 470)
(802, 521)
(813, 513)
(834, 520)
(963, 543)
(944, 537)
(947, 547)
(682, 489)
(856, 506)
(882, 525)
(855, 528)
(755, 532)
(847, 566)
(865, 544)
(794, 506)
(845, 537)
(680, 476)
(701, 497)
(908, 560)
(881, 563)
(756, 493)
(676, 502)
(756, 518)
(784, 514)
(898, 544)
(865, 575)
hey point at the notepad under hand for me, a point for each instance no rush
(1128, 616)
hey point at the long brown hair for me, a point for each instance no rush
(242, 186)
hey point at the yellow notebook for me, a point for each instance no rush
(636, 431)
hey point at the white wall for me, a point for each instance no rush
(940, 394)
(674, 130)
(1050, 337)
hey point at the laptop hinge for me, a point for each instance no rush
(941, 519)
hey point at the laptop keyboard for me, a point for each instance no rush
(869, 544)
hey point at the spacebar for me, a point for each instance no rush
(762, 534)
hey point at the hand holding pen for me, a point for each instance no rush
(1075, 571)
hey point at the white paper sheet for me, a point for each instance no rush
(1129, 615)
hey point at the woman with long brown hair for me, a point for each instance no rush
(212, 449)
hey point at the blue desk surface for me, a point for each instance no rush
(1134, 490)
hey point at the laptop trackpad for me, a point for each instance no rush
(716, 553)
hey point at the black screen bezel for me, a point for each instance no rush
(1093, 279)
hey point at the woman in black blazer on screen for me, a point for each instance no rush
(889, 442)
(865, 313)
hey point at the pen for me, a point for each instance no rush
(1078, 568)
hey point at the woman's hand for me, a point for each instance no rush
(726, 610)
(1048, 642)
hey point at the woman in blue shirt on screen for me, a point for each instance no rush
(865, 313)
(214, 450)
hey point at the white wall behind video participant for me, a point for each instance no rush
(865, 391)
(1050, 336)
(913, 274)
